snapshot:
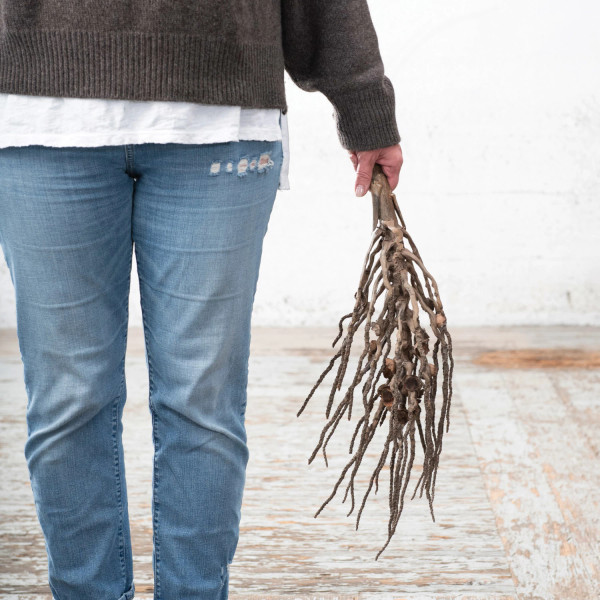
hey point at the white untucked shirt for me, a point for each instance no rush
(53, 121)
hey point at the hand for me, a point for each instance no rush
(390, 159)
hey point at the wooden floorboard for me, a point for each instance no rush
(517, 492)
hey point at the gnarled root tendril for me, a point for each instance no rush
(410, 375)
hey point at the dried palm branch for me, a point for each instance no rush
(410, 378)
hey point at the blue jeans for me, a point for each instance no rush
(197, 214)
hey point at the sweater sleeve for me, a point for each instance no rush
(331, 46)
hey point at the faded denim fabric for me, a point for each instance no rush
(69, 219)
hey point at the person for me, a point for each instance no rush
(161, 126)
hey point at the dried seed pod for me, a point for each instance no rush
(402, 416)
(412, 383)
(389, 368)
(440, 320)
(432, 369)
(373, 347)
(386, 395)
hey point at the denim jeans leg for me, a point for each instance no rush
(65, 229)
(200, 214)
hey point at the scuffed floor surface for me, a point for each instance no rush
(517, 499)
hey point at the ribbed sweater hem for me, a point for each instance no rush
(141, 66)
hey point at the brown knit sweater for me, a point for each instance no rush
(210, 51)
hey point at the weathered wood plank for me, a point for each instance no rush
(507, 496)
(532, 526)
(459, 552)
(579, 391)
(566, 451)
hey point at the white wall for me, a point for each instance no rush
(498, 105)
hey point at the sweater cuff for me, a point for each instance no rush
(366, 118)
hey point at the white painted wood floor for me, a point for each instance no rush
(517, 499)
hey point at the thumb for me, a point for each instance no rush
(364, 172)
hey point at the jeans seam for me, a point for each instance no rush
(55, 595)
(118, 481)
(115, 418)
(154, 440)
(224, 574)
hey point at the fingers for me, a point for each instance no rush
(364, 171)
(392, 172)
(390, 159)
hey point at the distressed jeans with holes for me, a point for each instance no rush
(69, 219)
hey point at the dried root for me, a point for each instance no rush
(410, 377)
